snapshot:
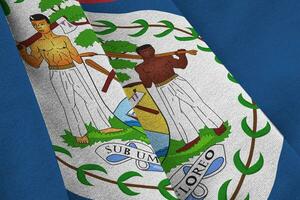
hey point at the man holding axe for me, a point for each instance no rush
(186, 108)
(81, 105)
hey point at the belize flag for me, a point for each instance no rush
(136, 106)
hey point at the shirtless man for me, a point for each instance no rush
(186, 108)
(72, 86)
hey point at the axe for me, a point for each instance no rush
(136, 98)
(62, 22)
(67, 28)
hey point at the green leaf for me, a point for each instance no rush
(246, 103)
(170, 29)
(248, 197)
(44, 5)
(194, 36)
(81, 174)
(122, 64)
(222, 194)
(86, 38)
(231, 78)
(118, 46)
(264, 131)
(218, 60)
(260, 133)
(145, 26)
(123, 187)
(71, 13)
(93, 167)
(90, 128)
(122, 76)
(206, 49)
(100, 39)
(162, 189)
(82, 177)
(247, 170)
(61, 150)
(246, 128)
(111, 27)
(5, 7)
(19, 1)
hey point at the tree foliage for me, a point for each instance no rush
(122, 64)
(122, 77)
(49, 4)
(117, 46)
(72, 13)
(86, 38)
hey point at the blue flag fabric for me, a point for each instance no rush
(28, 168)
(286, 180)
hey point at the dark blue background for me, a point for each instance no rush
(257, 41)
(28, 169)
(125, 6)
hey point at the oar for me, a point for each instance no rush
(138, 57)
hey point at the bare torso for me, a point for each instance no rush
(159, 69)
(55, 51)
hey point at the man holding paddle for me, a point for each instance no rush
(186, 108)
